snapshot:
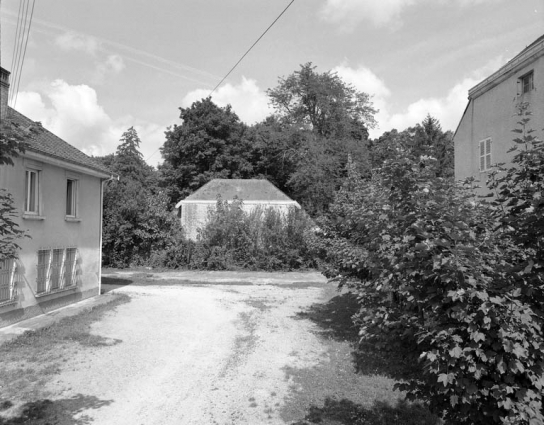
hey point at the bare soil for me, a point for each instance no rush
(195, 348)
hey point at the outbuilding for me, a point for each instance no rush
(254, 193)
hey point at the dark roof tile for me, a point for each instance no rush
(246, 189)
(41, 140)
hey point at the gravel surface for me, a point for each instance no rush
(208, 353)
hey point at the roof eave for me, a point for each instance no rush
(521, 60)
(63, 163)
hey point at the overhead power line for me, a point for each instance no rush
(252, 46)
(24, 53)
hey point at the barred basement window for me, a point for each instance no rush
(8, 292)
(56, 270)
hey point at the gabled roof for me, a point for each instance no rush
(42, 141)
(527, 55)
(245, 189)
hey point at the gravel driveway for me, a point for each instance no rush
(212, 352)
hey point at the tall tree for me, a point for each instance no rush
(331, 119)
(323, 103)
(208, 144)
(426, 138)
(137, 221)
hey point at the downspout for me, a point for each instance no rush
(102, 185)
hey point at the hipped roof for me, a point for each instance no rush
(253, 190)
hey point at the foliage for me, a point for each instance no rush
(233, 239)
(426, 138)
(323, 103)
(137, 222)
(331, 119)
(10, 146)
(207, 145)
(437, 273)
(518, 203)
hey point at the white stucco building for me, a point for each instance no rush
(254, 193)
(57, 191)
(484, 134)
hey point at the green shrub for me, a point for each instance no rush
(440, 276)
(233, 239)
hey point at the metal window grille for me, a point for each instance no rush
(57, 269)
(70, 267)
(7, 280)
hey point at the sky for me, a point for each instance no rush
(94, 68)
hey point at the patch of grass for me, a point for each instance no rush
(243, 344)
(57, 412)
(345, 412)
(32, 359)
(258, 303)
(352, 384)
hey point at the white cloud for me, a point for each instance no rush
(447, 109)
(76, 41)
(248, 101)
(73, 113)
(114, 64)
(350, 13)
(363, 79)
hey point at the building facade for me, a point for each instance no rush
(484, 134)
(57, 191)
(193, 210)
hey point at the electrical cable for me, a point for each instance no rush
(16, 45)
(240, 60)
(24, 53)
(253, 45)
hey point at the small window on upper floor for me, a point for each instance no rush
(71, 198)
(485, 154)
(32, 195)
(527, 82)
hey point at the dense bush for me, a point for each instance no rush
(233, 239)
(456, 282)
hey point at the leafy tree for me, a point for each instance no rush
(518, 202)
(323, 103)
(426, 138)
(331, 119)
(274, 151)
(11, 144)
(208, 144)
(137, 221)
(438, 278)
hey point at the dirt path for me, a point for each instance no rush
(212, 353)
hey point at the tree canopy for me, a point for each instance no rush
(208, 144)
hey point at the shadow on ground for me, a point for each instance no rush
(353, 384)
(346, 412)
(334, 319)
(58, 412)
(111, 283)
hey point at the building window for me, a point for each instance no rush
(527, 82)
(56, 270)
(7, 281)
(71, 198)
(485, 154)
(32, 192)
